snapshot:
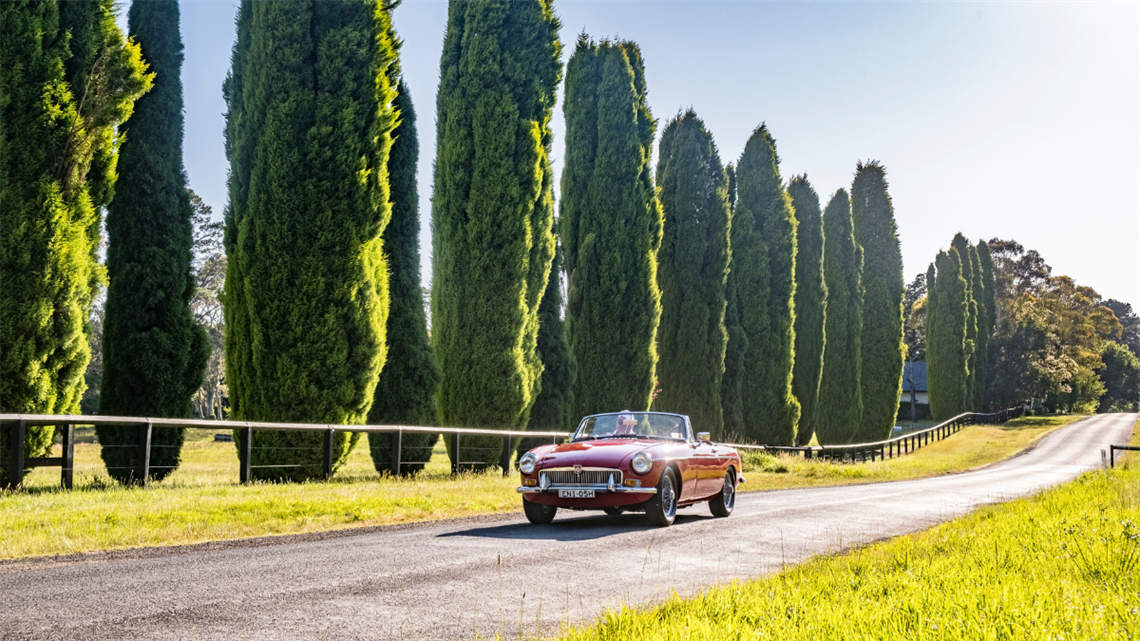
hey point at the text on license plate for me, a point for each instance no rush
(575, 494)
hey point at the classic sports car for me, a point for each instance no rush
(648, 462)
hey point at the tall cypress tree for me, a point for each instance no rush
(405, 391)
(811, 305)
(883, 288)
(492, 212)
(732, 404)
(154, 352)
(984, 287)
(971, 272)
(611, 227)
(552, 408)
(308, 136)
(947, 349)
(58, 148)
(764, 256)
(840, 396)
(692, 268)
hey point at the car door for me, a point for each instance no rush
(706, 462)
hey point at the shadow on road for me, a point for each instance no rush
(574, 528)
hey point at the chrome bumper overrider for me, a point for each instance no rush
(553, 489)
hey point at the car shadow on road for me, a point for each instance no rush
(575, 527)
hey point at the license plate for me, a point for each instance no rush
(575, 494)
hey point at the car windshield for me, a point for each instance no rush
(632, 425)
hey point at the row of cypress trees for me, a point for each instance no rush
(314, 299)
(959, 321)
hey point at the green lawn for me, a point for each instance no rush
(202, 500)
(1062, 565)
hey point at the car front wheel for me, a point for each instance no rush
(722, 504)
(661, 510)
(537, 513)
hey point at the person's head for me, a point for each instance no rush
(625, 423)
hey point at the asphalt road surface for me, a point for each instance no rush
(457, 579)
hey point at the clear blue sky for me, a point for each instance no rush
(1010, 120)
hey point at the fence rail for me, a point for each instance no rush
(17, 425)
(1112, 453)
(904, 444)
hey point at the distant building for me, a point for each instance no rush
(914, 377)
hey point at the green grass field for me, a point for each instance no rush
(202, 500)
(1061, 565)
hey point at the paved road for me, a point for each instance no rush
(451, 580)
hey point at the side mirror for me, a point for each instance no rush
(703, 437)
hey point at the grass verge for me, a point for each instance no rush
(202, 501)
(974, 446)
(1062, 565)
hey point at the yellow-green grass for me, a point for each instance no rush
(202, 500)
(974, 446)
(1064, 564)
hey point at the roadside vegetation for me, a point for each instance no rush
(202, 501)
(1064, 564)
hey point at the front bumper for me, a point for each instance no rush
(599, 488)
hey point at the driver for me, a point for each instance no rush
(625, 423)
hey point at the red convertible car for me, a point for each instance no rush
(648, 462)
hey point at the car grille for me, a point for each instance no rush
(585, 477)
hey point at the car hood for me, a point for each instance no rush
(603, 453)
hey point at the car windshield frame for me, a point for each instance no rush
(594, 419)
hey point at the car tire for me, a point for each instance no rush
(538, 513)
(612, 511)
(721, 505)
(661, 510)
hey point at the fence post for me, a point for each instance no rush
(455, 454)
(245, 455)
(67, 474)
(505, 460)
(1112, 456)
(397, 451)
(16, 435)
(143, 471)
(329, 440)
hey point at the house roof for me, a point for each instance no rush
(914, 373)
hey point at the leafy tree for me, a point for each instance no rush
(811, 306)
(881, 342)
(1121, 378)
(68, 79)
(1129, 322)
(611, 228)
(736, 349)
(914, 313)
(1049, 334)
(154, 353)
(405, 392)
(492, 212)
(693, 266)
(209, 269)
(947, 347)
(764, 255)
(840, 398)
(308, 133)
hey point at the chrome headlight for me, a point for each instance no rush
(527, 463)
(641, 463)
